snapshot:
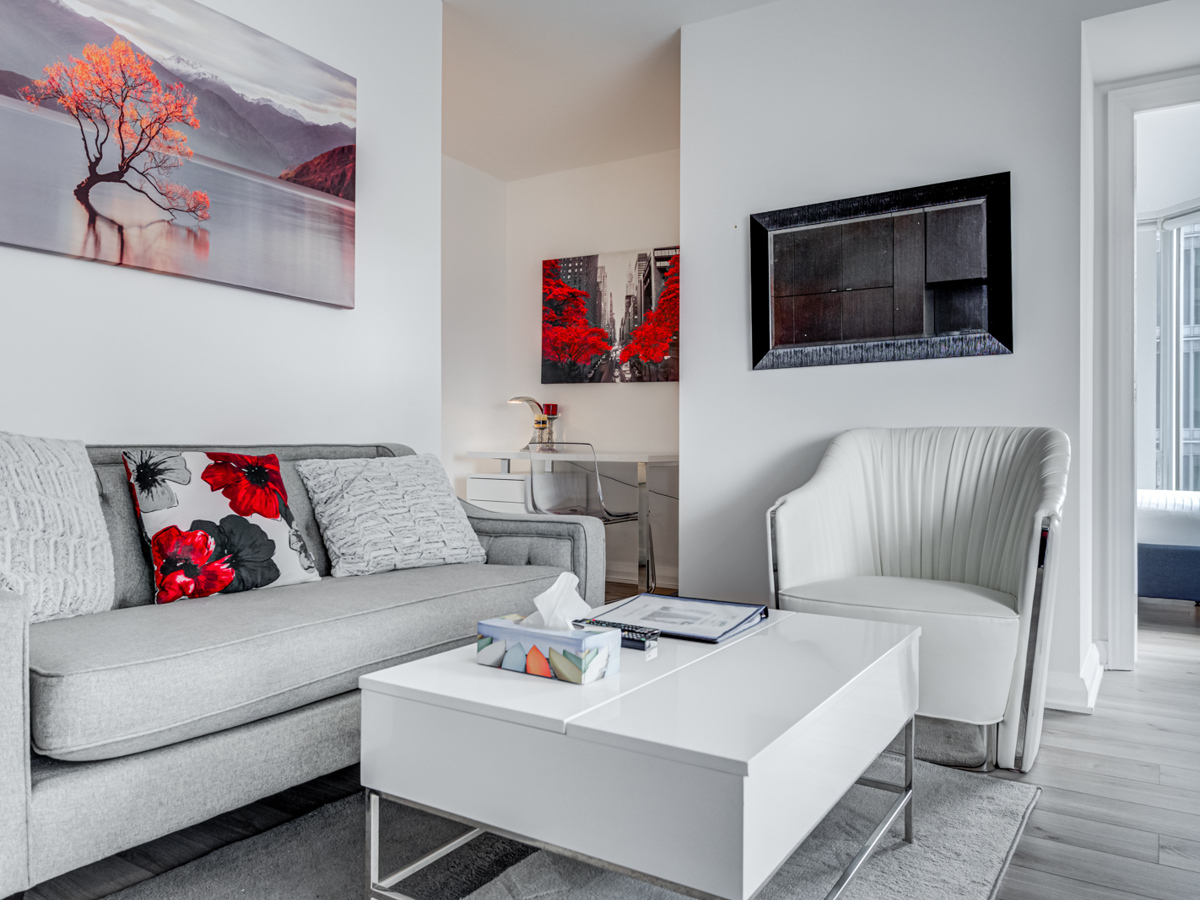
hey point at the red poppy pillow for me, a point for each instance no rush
(216, 523)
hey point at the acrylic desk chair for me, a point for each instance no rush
(564, 480)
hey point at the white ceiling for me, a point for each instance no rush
(537, 86)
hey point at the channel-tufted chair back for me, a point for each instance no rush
(949, 504)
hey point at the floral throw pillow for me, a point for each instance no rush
(216, 523)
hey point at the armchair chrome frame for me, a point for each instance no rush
(551, 452)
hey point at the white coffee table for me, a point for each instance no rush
(700, 770)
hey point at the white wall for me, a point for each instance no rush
(474, 319)
(108, 355)
(492, 336)
(780, 108)
(1167, 169)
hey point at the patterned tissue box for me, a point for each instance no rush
(579, 656)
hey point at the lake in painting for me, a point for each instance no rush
(262, 233)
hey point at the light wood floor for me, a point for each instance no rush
(1118, 819)
(1119, 815)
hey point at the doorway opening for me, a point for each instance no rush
(1167, 356)
(1135, 63)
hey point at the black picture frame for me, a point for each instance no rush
(956, 288)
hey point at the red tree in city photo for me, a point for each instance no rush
(125, 117)
(568, 339)
(651, 341)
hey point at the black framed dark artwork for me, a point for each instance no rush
(920, 273)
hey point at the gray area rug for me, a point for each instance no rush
(947, 743)
(967, 826)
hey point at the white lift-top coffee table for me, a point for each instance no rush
(738, 750)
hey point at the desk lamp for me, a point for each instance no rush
(539, 419)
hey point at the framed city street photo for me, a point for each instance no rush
(611, 317)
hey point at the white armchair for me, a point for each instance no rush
(951, 529)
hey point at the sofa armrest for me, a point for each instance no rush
(14, 743)
(572, 543)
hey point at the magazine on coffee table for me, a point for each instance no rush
(685, 617)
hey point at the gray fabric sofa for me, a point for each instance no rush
(122, 726)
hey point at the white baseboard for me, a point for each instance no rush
(1076, 693)
(668, 575)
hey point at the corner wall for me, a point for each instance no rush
(102, 354)
(773, 117)
(492, 325)
(474, 319)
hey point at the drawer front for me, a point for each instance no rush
(508, 490)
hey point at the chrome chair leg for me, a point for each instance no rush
(993, 742)
(910, 740)
(991, 750)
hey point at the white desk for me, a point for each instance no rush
(614, 456)
(643, 460)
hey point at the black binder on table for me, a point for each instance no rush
(688, 618)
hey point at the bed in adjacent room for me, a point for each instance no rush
(1168, 530)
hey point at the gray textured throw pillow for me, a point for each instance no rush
(377, 515)
(54, 546)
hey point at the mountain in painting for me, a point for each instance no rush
(233, 129)
(295, 138)
(35, 33)
(11, 83)
(331, 172)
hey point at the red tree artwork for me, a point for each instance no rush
(651, 341)
(568, 339)
(125, 119)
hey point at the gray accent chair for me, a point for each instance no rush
(122, 726)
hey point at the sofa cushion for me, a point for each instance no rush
(127, 680)
(969, 635)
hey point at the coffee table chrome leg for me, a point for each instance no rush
(377, 887)
(903, 803)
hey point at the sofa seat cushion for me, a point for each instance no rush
(127, 680)
(968, 643)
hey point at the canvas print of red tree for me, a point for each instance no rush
(162, 135)
(611, 317)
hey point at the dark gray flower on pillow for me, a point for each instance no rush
(245, 548)
(149, 471)
(296, 542)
